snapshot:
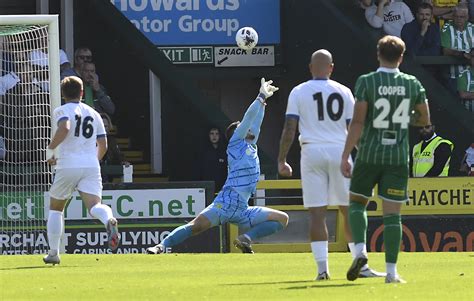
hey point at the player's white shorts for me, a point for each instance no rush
(322, 181)
(66, 180)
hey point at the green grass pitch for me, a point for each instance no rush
(430, 276)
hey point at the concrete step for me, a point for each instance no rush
(142, 167)
(133, 156)
(123, 143)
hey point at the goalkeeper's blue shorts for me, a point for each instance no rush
(245, 217)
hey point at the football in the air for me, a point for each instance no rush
(246, 38)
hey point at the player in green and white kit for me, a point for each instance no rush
(385, 100)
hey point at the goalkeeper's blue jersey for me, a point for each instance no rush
(243, 161)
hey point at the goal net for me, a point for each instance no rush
(29, 91)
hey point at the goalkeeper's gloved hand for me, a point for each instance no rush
(266, 88)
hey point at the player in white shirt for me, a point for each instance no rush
(321, 109)
(79, 143)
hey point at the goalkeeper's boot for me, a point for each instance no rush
(370, 273)
(113, 234)
(244, 244)
(322, 276)
(158, 249)
(356, 266)
(52, 259)
(394, 279)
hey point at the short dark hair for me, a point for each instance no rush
(82, 48)
(424, 5)
(71, 87)
(230, 129)
(391, 48)
(214, 128)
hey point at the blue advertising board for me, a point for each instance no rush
(202, 22)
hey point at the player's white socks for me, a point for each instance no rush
(55, 229)
(354, 253)
(320, 253)
(360, 249)
(391, 268)
(102, 212)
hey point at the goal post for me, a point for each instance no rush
(29, 92)
(52, 23)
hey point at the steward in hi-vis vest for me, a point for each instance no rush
(432, 155)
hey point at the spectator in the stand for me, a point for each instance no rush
(431, 156)
(457, 40)
(467, 163)
(41, 59)
(19, 116)
(212, 160)
(95, 94)
(389, 15)
(81, 56)
(442, 9)
(465, 85)
(422, 37)
(8, 81)
(364, 4)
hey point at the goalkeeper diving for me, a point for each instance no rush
(231, 203)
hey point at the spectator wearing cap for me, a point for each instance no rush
(39, 60)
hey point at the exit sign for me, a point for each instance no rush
(189, 55)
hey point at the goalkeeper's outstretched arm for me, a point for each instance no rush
(254, 115)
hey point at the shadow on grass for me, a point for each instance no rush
(269, 283)
(319, 286)
(40, 267)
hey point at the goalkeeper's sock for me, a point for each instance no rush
(55, 229)
(358, 222)
(320, 254)
(264, 229)
(392, 236)
(177, 236)
(101, 212)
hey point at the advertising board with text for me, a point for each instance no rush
(93, 240)
(427, 233)
(202, 22)
(445, 195)
(144, 203)
(125, 204)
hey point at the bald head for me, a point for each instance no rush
(321, 64)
